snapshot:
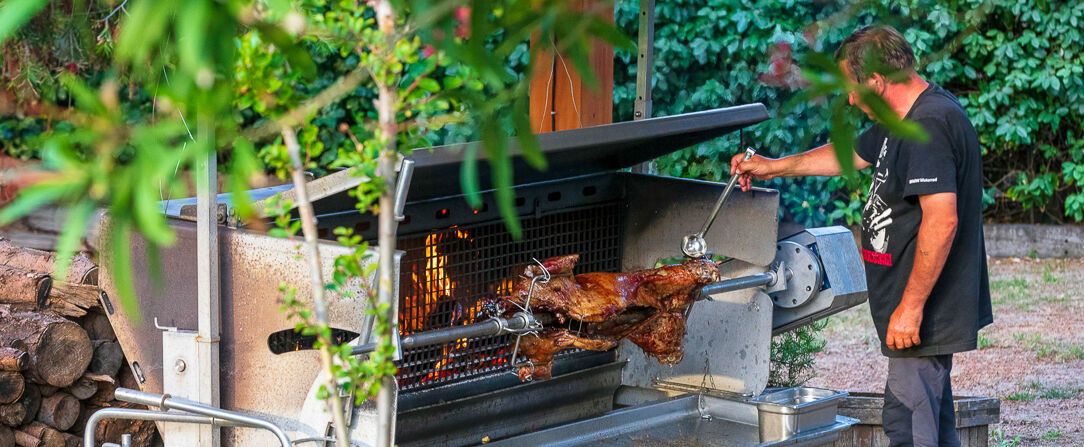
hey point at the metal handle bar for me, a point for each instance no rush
(167, 402)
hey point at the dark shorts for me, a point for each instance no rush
(918, 407)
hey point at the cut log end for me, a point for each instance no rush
(12, 359)
(24, 287)
(11, 386)
(48, 436)
(63, 354)
(59, 411)
(83, 388)
(22, 411)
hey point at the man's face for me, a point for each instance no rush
(853, 98)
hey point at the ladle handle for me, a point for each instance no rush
(749, 152)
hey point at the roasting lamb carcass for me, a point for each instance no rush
(596, 310)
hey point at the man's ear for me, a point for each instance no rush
(878, 83)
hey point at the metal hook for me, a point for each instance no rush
(164, 328)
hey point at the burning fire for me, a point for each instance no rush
(432, 286)
(437, 283)
(435, 298)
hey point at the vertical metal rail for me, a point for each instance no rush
(645, 60)
(208, 308)
(645, 69)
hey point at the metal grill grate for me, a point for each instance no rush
(445, 273)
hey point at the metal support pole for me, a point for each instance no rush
(208, 308)
(645, 60)
(645, 63)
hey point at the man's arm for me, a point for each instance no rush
(820, 161)
(935, 236)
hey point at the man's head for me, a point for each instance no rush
(878, 57)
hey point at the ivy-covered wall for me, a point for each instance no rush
(1016, 66)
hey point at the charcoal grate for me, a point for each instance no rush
(445, 273)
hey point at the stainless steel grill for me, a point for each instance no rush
(454, 386)
(446, 272)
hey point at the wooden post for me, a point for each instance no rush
(560, 99)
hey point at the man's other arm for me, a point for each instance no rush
(820, 161)
(935, 236)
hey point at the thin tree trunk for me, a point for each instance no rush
(387, 227)
(308, 227)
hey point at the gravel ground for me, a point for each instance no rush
(1031, 357)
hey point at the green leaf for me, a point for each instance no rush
(120, 245)
(71, 235)
(468, 176)
(429, 85)
(32, 198)
(15, 13)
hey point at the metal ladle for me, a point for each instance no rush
(694, 245)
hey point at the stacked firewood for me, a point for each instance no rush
(59, 358)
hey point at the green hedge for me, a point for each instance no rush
(1016, 67)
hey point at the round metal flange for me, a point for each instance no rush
(801, 269)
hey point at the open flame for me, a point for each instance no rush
(434, 285)
(435, 299)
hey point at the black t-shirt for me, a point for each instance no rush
(950, 161)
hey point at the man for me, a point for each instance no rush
(922, 239)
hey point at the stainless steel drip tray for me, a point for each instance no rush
(687, 421)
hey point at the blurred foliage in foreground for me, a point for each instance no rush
(1017, 67)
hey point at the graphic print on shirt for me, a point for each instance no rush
(877, 215)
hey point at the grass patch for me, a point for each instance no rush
(1000, 439)
(1005, 284)
(1064, 299)
(1048, 274)
(1057, 350)
(1013, 290)
(1020, 396)
(1052, 435)
(984, 341)
(1044, 391)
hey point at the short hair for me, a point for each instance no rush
(876, 49)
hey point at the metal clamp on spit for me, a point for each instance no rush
(521, 323)
(525, 311)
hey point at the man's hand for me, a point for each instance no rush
(820, 161)
(903, 328)
(762, 168)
